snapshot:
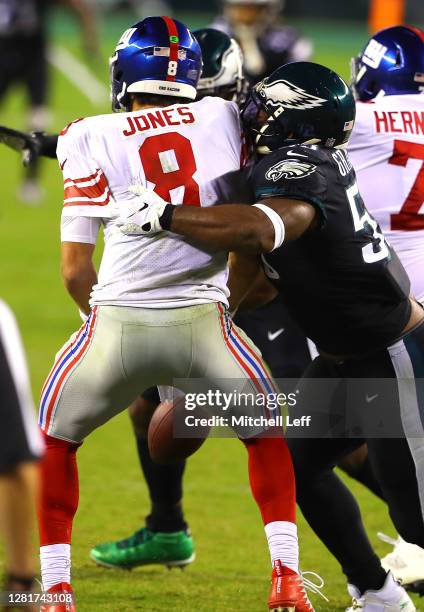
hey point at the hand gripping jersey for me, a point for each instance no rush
(342, 282)
(179, 151)
(387, 152)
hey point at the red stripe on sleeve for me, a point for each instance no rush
(65, 129)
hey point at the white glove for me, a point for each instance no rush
(141, 217)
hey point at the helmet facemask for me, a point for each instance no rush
(260, 123)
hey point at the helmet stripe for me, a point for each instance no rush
(174, 45)
(417, 31)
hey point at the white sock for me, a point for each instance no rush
(55, 564)
(283, 544)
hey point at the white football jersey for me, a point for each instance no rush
(387, 152)
(179, 151)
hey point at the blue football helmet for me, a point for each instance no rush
(157, 55)
(391, 63)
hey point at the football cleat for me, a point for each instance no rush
(288, 590)
(146, 547)
(61, 590)
(406, 562)
(392, 597)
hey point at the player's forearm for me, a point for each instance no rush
(227, 227)
(79, 284)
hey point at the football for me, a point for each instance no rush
(163, 446)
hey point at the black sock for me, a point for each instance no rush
(165, 487)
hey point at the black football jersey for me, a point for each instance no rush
(341, 281)
(277, 45)
(22, 18)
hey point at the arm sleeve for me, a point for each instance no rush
(86, 190)
(79, 229)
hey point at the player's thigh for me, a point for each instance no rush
(226, 360)
(87, 384)
(320, 395)
(223, 351)
(315, 451)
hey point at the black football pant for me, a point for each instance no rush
(165, 484)
(327, 504)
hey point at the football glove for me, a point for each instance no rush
(142, 216)
(31, 145)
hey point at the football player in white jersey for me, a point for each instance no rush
(387, 151)
(158, 308)
(387, 144)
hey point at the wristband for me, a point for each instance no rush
(165, 219)
(277, 222)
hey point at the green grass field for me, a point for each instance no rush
(232, 567)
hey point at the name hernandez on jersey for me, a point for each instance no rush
(341, 281)
(180, 152)
(387, 149)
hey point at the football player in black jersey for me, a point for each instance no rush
(23, 60)
(344, 286)
(266, 41)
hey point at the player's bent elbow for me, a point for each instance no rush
(75, 277)
(253, 242)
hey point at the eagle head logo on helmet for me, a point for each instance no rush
(289, 169)
(287, 95)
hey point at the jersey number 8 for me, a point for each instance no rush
(168, 162)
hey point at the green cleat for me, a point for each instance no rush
(146, 547)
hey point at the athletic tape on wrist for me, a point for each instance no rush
(277, 222)
(165, 219)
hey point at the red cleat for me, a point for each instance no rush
(287, 591)
(62, 599)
